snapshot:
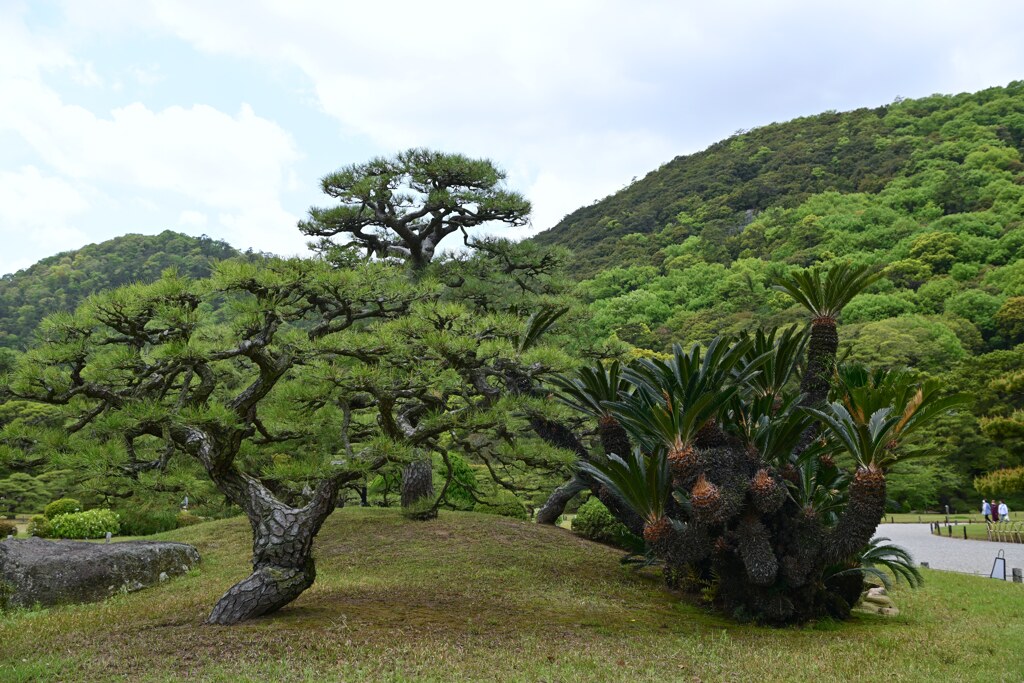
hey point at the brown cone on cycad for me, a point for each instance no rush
(767, 493)
(681, 461)
(657, 533)
(705, 499)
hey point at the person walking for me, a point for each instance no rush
(986, 510)
(1004, 511)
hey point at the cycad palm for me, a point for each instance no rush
(874, 414)
(824, 294)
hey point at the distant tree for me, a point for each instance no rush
(403, 206)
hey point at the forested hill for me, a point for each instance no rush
(60, 282)
(919, 145)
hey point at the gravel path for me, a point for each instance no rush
(951, 554)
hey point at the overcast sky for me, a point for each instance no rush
(220, 117)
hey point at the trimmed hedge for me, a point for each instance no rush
(62, 506)
(7, 529)
(594, 521)
(88, 524)
(39, 526)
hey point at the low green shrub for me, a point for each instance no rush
(39, 526)
(186, 518)
(504, 505)
(88, 524)
(594, 521)
(62, 506)
(7, 529)
(145, 522)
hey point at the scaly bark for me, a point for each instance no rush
(861, 517)
(418, 486)
(282, 561)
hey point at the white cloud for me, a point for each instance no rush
(38, 208)
(234, 166)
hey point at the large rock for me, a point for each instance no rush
(38, 572)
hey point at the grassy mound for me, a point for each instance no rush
(478, 597)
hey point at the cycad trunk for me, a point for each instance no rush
(821, 359)
(860, 519)
(418, 489)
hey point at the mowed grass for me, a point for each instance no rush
(915, 518)
(477, 597)
(979, 532)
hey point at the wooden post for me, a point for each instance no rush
(1018, 575)
(965, 533)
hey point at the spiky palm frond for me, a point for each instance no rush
(819, 484)
(537, 324)
(866, 440)
(777, 356)
(592, 388)
(878, 555)
(864, 393)
(772, 430)
(825, 293)
(641, 482)
(655, 422)
(674, 399)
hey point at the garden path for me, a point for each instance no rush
(951, 554)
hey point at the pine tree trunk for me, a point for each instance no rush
(418, 487)
(282, 559)
(559, 498)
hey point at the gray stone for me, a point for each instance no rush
(39, 572)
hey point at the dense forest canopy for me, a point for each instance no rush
(929, 191)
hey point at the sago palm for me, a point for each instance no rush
(644, 484)
(677, 398)
(591, 392)
(824, 294)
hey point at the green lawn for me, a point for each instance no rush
(477, 597)
(974, 531)
(913, 517)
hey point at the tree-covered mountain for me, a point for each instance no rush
(929, 191)
(60, 282)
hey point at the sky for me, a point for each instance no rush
(219, 118)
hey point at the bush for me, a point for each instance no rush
(88, 524)
(7, 529)
(505, 505)
(186, 518)
(143, 522)
(594, 521)
(63, 506)
(39, 526)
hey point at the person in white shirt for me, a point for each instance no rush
(1004, 512)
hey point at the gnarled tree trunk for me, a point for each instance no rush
(559, 498)
(282, 560)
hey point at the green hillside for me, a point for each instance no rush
(60, 282)
(930, 191)
(715, 194)
(472, 597)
